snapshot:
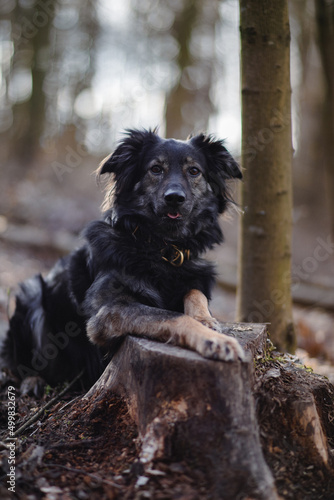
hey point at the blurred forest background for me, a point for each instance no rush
(75, 73)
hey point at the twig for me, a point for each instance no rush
(79, 471)
(69, 403)
(74, 444)
(50, 403)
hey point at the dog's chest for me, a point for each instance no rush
(167, 286)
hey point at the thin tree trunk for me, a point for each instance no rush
(264, 293)
(29, 118)
(309, 94)
(325, 21)
(188, 105)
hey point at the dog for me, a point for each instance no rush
(140, 271)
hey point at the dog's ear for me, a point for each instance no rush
(125, 161)
(219, 160)
(106, 165)
(221, 166)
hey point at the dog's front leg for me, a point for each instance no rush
(179, 329)
(196, 306)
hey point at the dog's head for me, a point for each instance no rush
(172, 183)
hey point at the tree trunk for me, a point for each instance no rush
(265, 236)
(188, 105)
(29, 116)
(308, 181)
(325, 21)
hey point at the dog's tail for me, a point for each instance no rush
(47, 336)
(25, 328)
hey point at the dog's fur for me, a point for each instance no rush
(140, 270)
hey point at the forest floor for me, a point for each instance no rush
(58, 457)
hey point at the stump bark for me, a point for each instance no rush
(188, 407)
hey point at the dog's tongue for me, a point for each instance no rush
(174, 216)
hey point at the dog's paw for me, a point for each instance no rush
(222, 348)
(33, 386)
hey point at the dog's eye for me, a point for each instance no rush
(156, 169)
(194, 171)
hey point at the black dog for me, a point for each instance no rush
(139, 271)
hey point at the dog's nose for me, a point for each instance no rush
(175, 195)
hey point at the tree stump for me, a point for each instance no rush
(186, 406)
(224, 418)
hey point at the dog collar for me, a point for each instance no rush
(175, 255)
(171, 253)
